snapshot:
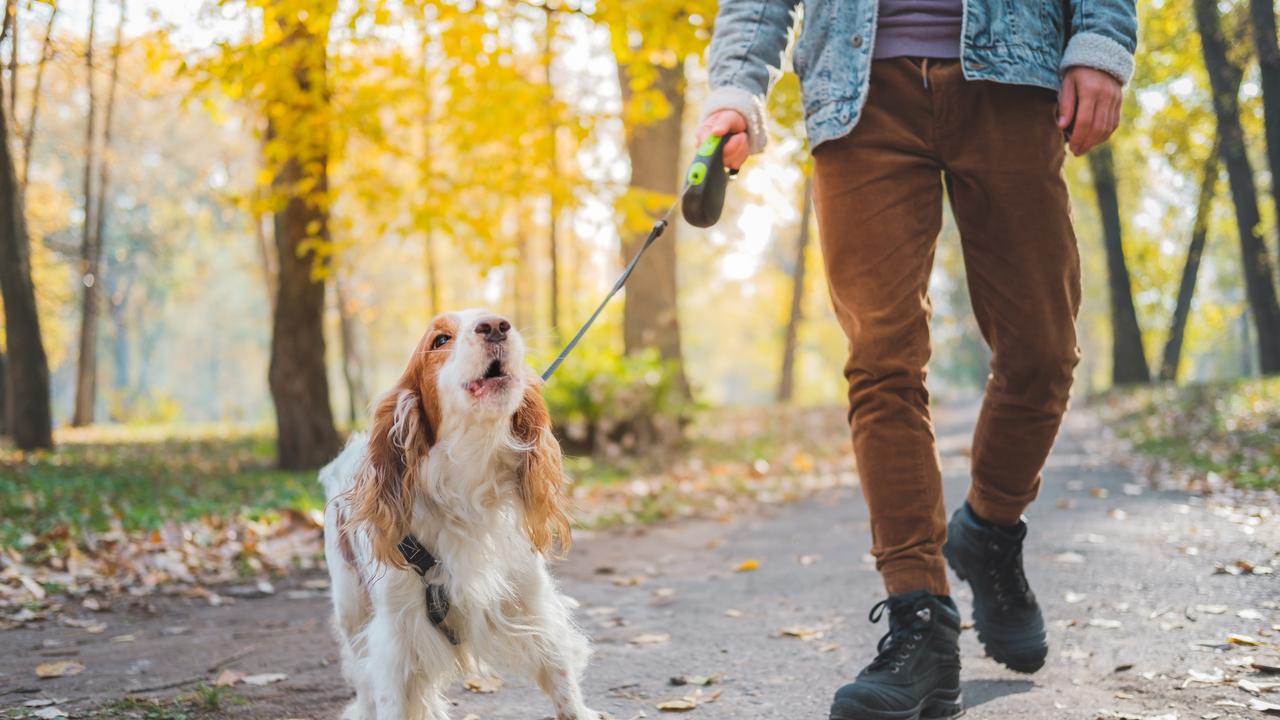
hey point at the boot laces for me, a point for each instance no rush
(1007, 575)
(906, 633)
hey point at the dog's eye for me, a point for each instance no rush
(440, 341)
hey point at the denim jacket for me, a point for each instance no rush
(1023, 42)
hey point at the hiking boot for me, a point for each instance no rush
(1005, 612)
(917, 671)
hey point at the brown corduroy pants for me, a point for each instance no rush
(997, 151)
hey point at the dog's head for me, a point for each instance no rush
(468, 371)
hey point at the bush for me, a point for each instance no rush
(605, 404)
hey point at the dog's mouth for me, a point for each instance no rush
(495, 377)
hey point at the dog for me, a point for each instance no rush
(438, 526)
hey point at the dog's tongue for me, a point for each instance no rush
(479, 386)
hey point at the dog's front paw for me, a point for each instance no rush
(585, 714)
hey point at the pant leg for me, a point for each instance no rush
(878, 196)
(1003, 154)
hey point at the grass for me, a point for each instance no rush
(204, 702)
(139, 478)
(1231, 429)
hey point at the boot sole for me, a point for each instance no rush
(940, 704)
(1016, 662)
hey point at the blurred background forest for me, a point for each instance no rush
(232, 219)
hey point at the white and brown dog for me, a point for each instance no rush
(437, 528)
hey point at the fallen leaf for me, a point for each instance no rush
(124, 638)
(1266, 664)
(1074, 597)
(228, 678)
(680, 680)
(1099, 492)
(1105, 624)
(61, 668)
(264, 678)
(1248, 614)
(1256, 687)
(650, 639)
(748, 566)
(483, 685)
(677, 705)
(1198, 676)
(1069, 558)
(731, 612)
(49, 713)
(629, 580)
(1264, 706)
(804, 633)
(809, 559)
(1243, 640)
(1211, 609)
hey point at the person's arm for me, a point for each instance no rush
(1096, 64)
(746, 60)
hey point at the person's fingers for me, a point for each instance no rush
(1082, 130)
(736, 151)
(1067, 102)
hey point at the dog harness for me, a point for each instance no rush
(421, 560)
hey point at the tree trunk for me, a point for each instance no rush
(352, 364)
(86, 362)
(4, 402)
(786, 384)
(1224, 77)
(11, 23)
(1187, 287)
(1263, 18)
(27, 391)
(29, 132)
(553, 206)
(650, 317)
(266, 259)
(1128, 359)
(299, 383)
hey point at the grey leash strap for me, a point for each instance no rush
(658, 228)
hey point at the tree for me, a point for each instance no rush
(95, 235)
(650, 317)
(786, 383)
(27, 391)
(298, 140)
(1262, 15)
(1187, 286)
(1128, 359)
(90, 255)
(29, 132)
(1224, 79)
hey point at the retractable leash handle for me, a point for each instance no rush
(706, 181)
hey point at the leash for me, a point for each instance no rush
(701, 201)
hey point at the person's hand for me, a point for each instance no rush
(723, 122)
(1089, 105)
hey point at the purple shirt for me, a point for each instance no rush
(918, 28)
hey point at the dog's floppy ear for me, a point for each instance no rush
(382, 497)
(541, 474)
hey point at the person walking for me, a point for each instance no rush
(904, 99)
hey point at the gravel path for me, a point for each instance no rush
(1126, 575)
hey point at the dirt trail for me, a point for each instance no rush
(1125, 574)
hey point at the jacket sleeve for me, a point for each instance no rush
(746, 59)
(1104, 36)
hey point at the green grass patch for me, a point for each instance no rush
(1231, 429)
(206, 701)
(139, 478)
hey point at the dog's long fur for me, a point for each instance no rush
(469, 466)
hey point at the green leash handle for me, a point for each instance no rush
(705, 183)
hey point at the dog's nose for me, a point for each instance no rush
(493, 328)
